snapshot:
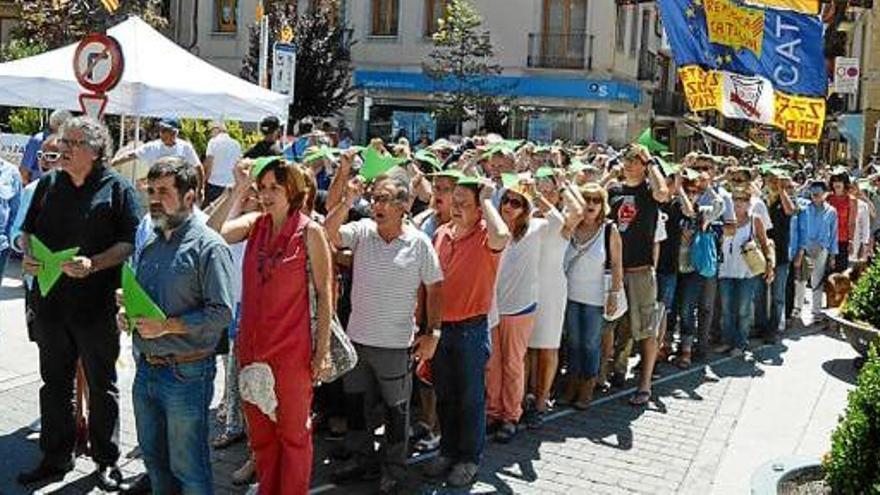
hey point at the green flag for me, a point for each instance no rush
(138, 304)
(544, 172)
(376, 164)
(505, 146)
(50, 272)
(647, 140)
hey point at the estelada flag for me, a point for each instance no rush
(110, 5)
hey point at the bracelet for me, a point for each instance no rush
(436, 333)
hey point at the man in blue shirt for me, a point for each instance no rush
(187, 269)
(819, 241)
(10, 197)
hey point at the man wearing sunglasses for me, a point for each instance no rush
(391, 260)
(47, 159)
(87, 206)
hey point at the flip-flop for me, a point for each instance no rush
(640, 398)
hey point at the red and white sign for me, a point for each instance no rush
(93, 105)
(846, 75)
(98, 63)
(744, 97)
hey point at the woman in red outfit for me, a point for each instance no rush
(275, 318)
(847, 209)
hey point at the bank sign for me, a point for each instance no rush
(515, 86)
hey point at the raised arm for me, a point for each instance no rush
(499, 234)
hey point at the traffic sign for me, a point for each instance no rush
(93, 105)
(846, 75)
(98, 63)
(284, 69)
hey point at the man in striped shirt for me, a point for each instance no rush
(391, 259)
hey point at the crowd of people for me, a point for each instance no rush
(452, 292)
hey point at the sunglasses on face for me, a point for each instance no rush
(741, 200)
(513, 202)
(381, 199)
(593, 200)
(49, 156)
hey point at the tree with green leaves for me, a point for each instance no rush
(56, 23)
(461, 66)
(323, 59)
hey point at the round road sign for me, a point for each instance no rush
(98, 63)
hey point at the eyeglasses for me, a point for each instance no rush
(381, 199)
(443, 189)
(742, 200)
(593, 200)
(73, 143)
(513, 202)
(49, 156)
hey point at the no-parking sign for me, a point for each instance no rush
(846, 75)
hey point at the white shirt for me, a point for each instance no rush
(862, 234)
(226, 152)
(758, 208)
(385, 282)
(586, 274)
(517, 285)
(150, 152)
(734, 265)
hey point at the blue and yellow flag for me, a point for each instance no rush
(782, 46)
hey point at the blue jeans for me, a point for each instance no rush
(688, 309)
(459, 369)
(171, 413)
(737, 309)
(584, 324)
(4, 256)
(777, 300)
(666, 287)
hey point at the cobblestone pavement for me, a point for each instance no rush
(674, 446)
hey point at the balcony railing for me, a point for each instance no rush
(647, 65)
(561, 50)
(669, 103)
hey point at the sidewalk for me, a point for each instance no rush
(706, 431)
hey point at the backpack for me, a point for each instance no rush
(704, 253)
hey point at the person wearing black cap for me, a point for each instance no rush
(271, 129)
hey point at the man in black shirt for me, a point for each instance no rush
(86, 205)
(635, 205)
(271, 129)
(781, 208)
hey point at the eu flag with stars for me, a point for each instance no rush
(788, 52)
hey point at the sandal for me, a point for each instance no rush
(640, 398)
(226, 439)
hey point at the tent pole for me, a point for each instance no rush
(121, 131)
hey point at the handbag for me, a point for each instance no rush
(753, 256)
(620, 294)
(343, 356)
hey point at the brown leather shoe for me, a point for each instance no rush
(585, 393)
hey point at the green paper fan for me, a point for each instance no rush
(50, 272)
(138, 304)
(263, 162)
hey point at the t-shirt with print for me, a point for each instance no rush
(385, 282)
(634, 210)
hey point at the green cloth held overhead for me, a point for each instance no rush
(428, 157)
(505, 146)
(50, 272)
(647, 140)
(138, 304)
(376, 164)
(321, 153)
(544, 172)
(451, 173)
(263, 162)
(668, 168)
(470, 180)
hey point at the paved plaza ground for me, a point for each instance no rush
(706, 432)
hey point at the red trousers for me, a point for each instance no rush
(283, 450)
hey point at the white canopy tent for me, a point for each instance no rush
(160, 79)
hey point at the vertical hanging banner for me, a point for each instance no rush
(753, 63)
